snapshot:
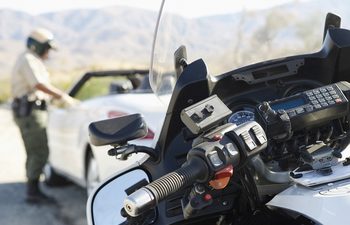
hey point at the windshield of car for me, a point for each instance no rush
(228, 35)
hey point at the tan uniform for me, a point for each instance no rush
(29, 70)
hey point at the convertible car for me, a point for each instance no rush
(102, 95)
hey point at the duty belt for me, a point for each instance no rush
(22, 107)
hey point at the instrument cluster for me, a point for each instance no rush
(243, 111)
(241, 116)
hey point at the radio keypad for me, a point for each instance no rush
(323, 97)
(318, 98)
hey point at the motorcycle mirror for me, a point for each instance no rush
(105, 204)
(332, 21)
(180, 60)
(117, 131)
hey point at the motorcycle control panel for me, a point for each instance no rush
(222, 146)
(205, 114)
(307, 109)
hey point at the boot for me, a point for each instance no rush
(35, 195)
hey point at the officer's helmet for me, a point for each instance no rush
(40, 41)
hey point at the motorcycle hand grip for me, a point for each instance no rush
(148, 196)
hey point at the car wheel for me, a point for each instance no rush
(92, 176)
(52, 178)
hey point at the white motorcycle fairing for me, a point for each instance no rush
(326, 204)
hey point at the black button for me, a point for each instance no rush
(208, 109)
(259, 135)
(312, 98)
(291, 113)
(299, 110)
(215, 160)
(196, 118)
(248, 140)
(309, 108)
(309, 93)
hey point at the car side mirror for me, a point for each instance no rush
(117, 131)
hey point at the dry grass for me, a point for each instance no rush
(4, 90)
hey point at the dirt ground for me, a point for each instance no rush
(71, 199)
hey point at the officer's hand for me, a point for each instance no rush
(66, 101)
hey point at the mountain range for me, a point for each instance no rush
(121, 36)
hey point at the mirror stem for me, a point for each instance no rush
(123, 152)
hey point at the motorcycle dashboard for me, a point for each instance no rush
(243, 104)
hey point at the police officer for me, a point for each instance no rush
(31, 89)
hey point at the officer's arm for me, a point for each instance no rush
(51, 90)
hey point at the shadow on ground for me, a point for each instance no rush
(70, 209)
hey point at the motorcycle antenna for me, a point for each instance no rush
(332, 21)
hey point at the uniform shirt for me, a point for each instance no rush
(29, 71)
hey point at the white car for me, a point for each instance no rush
(103, 95)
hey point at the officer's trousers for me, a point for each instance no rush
(33, 131)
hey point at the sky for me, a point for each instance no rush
(41, 6)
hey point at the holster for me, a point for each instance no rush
(22, 107)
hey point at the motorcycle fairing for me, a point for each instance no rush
(329, 65)
(195, 84)
(326, 204)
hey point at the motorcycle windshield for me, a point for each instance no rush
(230, 34)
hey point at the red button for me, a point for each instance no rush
(338, 100)
(207, 197)
(217, 137)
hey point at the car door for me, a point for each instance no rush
(63, 135)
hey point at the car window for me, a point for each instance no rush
(101, 86)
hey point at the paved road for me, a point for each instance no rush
(70, 209)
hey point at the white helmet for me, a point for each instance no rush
(40, 40)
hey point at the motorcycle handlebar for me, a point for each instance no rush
(148, 197)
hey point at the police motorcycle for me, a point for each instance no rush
(262, 144)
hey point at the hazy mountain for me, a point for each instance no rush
(85, 37)
(122, 36)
